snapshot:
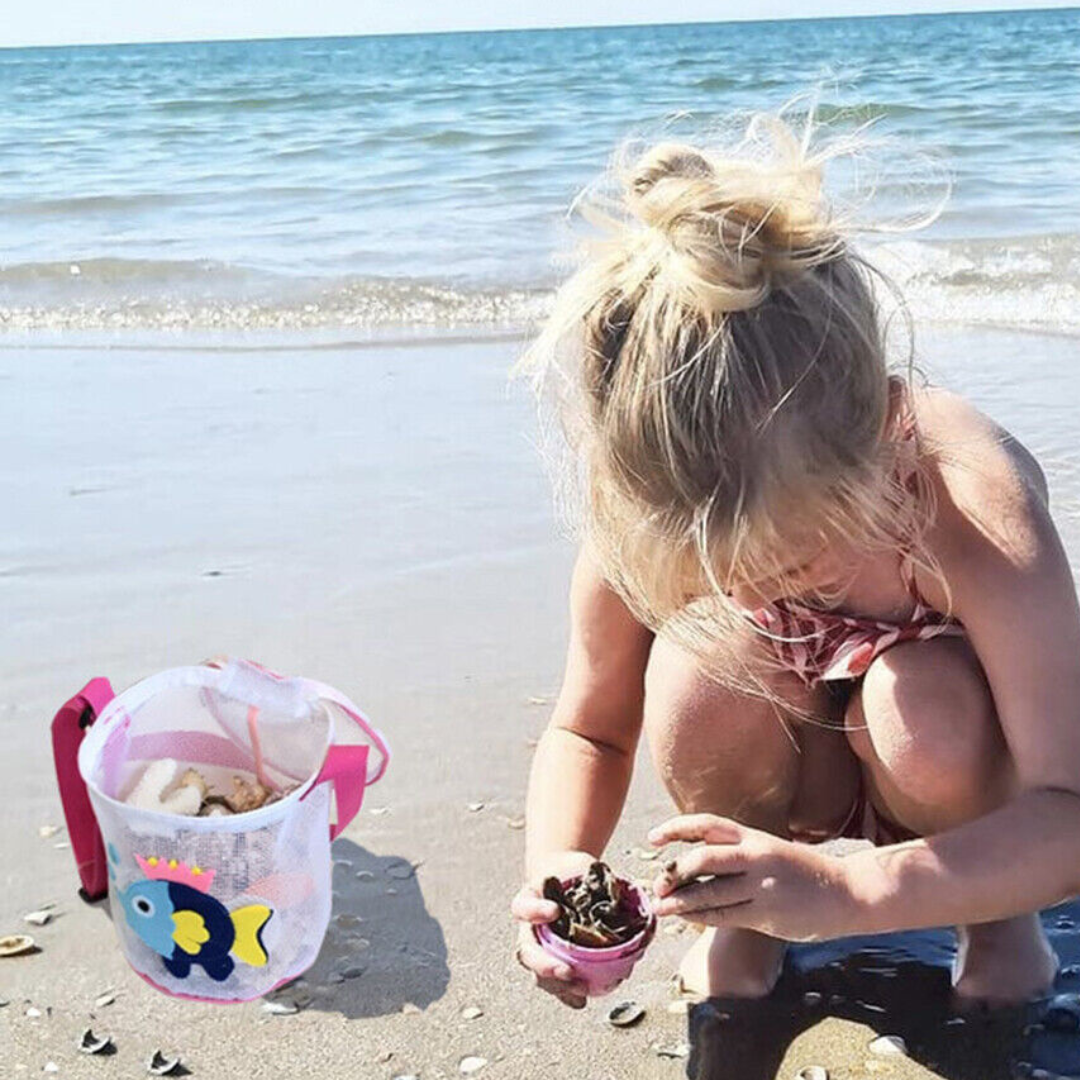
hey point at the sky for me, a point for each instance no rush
(70, 22)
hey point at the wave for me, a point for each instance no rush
(1023, 282)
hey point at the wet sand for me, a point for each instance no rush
(378, 518)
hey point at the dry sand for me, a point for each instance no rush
(377, 518)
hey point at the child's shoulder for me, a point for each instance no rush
(987, 482)
(971, 449)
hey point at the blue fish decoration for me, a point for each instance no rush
(172, 912)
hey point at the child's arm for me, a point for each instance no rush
(584, 760)
(1012, 588)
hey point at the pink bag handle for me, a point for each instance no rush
(378, 740)
(346, 768)
(69, 728)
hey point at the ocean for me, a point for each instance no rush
(343, 187)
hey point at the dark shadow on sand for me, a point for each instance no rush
(383, 950)
(899, 985)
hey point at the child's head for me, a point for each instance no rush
(728, 394)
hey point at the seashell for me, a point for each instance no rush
(471, 1064)
(645, 855)
(150, 793)
(38, 918)
(1063, 1013)
(471, 1012)
(888, 1046)
(247, 795)
(160, 1065)
(475, 807)
(515, 823)
(871, 1007)
(50, 1067)
(104, 999)
(33, 1012)
(194, 778)
(342, 862)
(409, 1009)
(625, 1014)
(671, 1050)
(383, 1056)
(92, 1044)
(364, 875)
(813, 1072)
(401, 870)
(536, 700)
(281, 1008)
(46, 832)
(4, 1003)
(378, 811)
(16, 945)
(353, 971)
(405, 1076)
(335, 978)
(811, 998)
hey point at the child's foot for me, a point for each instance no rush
(1003, 962)
(732, 963)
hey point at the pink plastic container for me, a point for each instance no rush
(602, 969)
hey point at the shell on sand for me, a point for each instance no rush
(471, 1064)
(94, 1044)
(160, 1065)
(16, 944)
(625, 1014)
(888, 1046)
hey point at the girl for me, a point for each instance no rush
(833, 600)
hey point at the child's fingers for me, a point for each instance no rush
(707, 861)
(691, 900)
(544, 967)
(572, 994)
(529, 906)
(694, 827)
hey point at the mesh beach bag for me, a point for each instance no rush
(227, 907)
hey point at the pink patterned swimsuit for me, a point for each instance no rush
(824, 646)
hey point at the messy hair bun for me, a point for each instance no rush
(718, 365)
(732, 224)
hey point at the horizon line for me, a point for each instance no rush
(534, 29)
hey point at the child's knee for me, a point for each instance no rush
(925, 714)
(716, 750)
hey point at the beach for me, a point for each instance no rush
(379, 517)
(259, 306)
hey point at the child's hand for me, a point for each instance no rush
(753, 880)
(530, 909)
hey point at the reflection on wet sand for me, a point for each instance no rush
(900, 986)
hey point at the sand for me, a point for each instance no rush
(378, 518)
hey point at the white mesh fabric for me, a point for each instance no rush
(284, 864)
(277, 856)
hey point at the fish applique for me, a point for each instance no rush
(171, 910)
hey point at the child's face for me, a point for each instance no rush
(824, 569)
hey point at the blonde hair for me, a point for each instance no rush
(718, 363)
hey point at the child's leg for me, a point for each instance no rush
(722, 752)
(926, 730)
